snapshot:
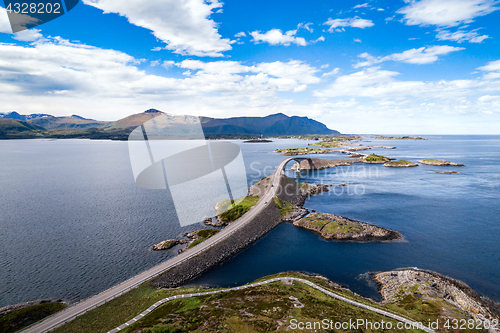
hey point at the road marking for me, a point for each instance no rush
(309, 283)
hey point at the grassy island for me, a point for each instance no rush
(431, 161)
(335, 227)
(303, 151)
(373, 158)
(400, 164)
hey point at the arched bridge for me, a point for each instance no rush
(298, 160)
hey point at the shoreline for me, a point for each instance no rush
(425, 283)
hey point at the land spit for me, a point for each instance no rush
(408, 283)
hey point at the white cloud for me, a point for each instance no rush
(422, 55)
(154, 63)
(325, 66)
(240, 34)
(168, 63)
(300, 88)
(276, 37)
(184, 26)
(381, 84)
(462, 36)
(492, 69)
(28, 35)
(445, 12)
(354, 22)
(4, 22)
(333, 72)
(305, 26)
(55, 73)
(320, 39)
(364, 5)
(357, 40)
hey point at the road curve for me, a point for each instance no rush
(411, 323)
(82, 307)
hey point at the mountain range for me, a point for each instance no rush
(17, 126)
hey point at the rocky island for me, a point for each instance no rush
(430, 161)
(334, 227)
(375, 159)
(442, 297)
(304, 151)
(400, 164)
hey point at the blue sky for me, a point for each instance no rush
(402, 67)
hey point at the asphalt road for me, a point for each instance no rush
(80, 308)
(408, 322)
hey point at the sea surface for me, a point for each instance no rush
(73, 222)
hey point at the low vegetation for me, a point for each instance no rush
(375, 158)
(203, 235)
(265, 308)
(15, 320)
(302, 151)
(400, 163)
(238, 210)
(283, 206)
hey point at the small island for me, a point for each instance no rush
(406, 137)
(373, 158)
(450, 172)
(385, 147)
(334, 227)
(257, 141)
(304, 151)
(166, 245)
(400, 164)
(430, 161)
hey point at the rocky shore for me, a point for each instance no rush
(411, 285)
(439, 163)
(168, 244)
(334, 227)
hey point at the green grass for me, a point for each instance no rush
(203, 234)
(340, 227)
(238, 210)
(297, 151)
(400, 162)
(326, 144)
(375, 158)
(283, 206)
(227, 312)
(15, 320)
(434, 161)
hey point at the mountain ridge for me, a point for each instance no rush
(74, 126)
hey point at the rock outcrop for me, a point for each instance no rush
(396, 285)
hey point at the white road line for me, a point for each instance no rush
(309, 283)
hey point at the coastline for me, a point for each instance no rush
(399, 284)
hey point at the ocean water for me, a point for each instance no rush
(73, 223)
